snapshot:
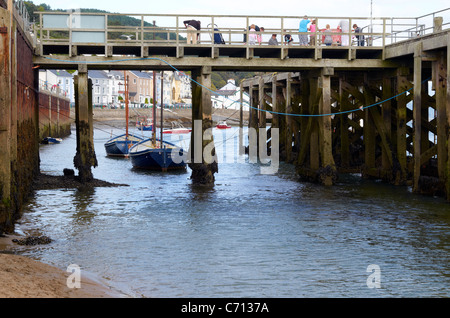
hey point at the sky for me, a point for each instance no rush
(349, 8)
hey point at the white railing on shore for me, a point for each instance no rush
(45, 86)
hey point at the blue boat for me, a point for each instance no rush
(119, 146)
(157, 156)
(51, 140)
(144, 123)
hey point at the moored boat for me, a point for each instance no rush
(51, 140)
(119, 146)
(223, 125)
(144, 123)
(158, 155)
(177, 128)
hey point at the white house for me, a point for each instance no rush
(53, 80)
(229, 97)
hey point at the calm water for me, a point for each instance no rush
(251, 235)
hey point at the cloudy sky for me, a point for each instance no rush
(351, 8)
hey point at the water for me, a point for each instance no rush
(251, 235)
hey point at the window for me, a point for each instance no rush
(134, 81)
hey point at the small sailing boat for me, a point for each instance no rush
(177, 128)
(119, 146)
(223, 125)
(157, 154)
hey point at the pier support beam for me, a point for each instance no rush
(417, 111)
(447, 180)
(5, 114)
(203, 161)
(328, 174)
(85, 157)
(442, 119)
(402, 100)
(315, 160)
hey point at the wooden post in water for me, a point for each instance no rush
(447, 178)
(442, 109)
(288, 128)
(401, 113)
(203, 160)
(417, 114)
(328, 173)
(85, 157)
(241, 120)
(369, 134)
(262, 103)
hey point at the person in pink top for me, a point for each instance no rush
(312, 29)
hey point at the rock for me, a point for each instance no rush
(33, 240)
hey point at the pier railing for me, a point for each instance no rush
(111, 29)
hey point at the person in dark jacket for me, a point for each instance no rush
(359, 38)
(192, 26)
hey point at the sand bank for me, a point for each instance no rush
(22, 277)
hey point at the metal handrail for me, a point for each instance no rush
(383, 31)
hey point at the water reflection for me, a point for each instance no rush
(82, 200)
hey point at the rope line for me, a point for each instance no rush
(209, 89)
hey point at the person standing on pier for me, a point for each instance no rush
(359, 38)
(252, 36)
(312, 37)
(345, 28)
(192, 26)
(303, 27)
(288, 38)
(328, 39)
(273, 40)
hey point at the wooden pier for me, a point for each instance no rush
(382, 109)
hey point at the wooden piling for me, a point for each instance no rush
(417, 111)
(85, 157)
(447, 177)
(328, 174)
(202, 140)
(441, 112)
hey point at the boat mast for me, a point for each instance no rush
(162, 104)
(154, 108)
(126, 101)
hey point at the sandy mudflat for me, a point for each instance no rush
(22, 277)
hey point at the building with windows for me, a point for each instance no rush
(140, 88)
(229, 97)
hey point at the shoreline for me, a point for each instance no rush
(24, 277)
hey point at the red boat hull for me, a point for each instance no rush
(223, 126)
